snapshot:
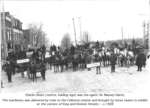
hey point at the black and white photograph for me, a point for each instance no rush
(75, 46)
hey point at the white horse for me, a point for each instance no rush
(130, 57)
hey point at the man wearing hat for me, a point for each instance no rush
(9, 69)
(140, 61)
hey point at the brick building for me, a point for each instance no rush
(12, 34)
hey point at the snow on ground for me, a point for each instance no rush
(123, 80)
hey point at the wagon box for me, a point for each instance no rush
(94, 65)
(22, 65)
(29, 54)
(22, 61)
(91, 65)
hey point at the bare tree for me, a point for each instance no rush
(66, 41)
(38, 34)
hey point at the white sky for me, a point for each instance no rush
(103, 19)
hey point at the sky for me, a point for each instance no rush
(102, 19)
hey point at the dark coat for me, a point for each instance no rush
(141, 59)
(32, 68)
(8, 69)
(113, 59)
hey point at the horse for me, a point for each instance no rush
(56, 62)
(126, 58)
(82, 60)
(37, 64)
(108, 55)
(104, 58)
(75, 61)
(122, 58)
(130, 58)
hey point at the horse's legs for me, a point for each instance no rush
(28, 73)
(50, 66)
(73, 66)
(22, 74)
(35, 76)
(32, 77)
(104, 62)
(43, 74)
(55, 67)
(66, 66)
(61, 67)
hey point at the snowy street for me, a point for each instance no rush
(123, 80)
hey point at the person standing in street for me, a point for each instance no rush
(9, 70)
(140, 61)
(113, 60)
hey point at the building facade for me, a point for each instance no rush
(12, 34)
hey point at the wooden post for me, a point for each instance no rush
(74, 31)
(80, 27)
(122, 35)
(4, 33)
(144, 33)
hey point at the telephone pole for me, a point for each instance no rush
(148, 34)
(149, 29)
(1, 48)
(4, 41)
(80, 27)
(74, 31)
(122, 35)
(144, 25)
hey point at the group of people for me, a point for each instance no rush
(76, 56)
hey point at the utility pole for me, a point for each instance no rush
(144, 25)
(74, 31)
(148, 34)
(149, 29)
(4, 32)
(80, 27)
(0, 47)
(2, 38)
(122, 35)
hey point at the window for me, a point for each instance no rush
(10, 35)
(7, 35)
(15, 36)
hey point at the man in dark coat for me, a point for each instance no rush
(12, 60)
(9, 70)
(32, 69)
(140, 61)
(113, 60)
(43, 69)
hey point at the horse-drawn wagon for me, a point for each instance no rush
(31, 65)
